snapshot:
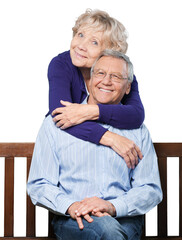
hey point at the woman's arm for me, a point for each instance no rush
(130, 115)
(62, 85)
(60, 82)
(124, 147)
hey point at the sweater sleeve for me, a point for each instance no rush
(129, 115)
(60, 83)
(62, 86)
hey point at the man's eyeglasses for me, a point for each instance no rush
(115, 77)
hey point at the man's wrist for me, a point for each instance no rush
(72, 208)
(112, 209)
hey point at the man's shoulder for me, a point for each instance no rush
(48, 125)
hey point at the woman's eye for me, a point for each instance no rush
(80, 34)
(95, 42)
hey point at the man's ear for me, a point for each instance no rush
(128, 88)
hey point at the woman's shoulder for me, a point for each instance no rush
(62, 58)
(62, 63)
(61, 68)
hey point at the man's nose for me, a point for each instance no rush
(107, 80)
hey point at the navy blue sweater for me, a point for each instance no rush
(66, 83)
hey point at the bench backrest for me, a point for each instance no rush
(12, 150)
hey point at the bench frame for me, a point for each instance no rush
(12, 150)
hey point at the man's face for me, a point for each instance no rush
(109, 81)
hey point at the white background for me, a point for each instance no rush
(34, 31)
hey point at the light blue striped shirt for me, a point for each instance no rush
(66, 169)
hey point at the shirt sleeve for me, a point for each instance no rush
(146, 190)
(129, 115)
(42, 186)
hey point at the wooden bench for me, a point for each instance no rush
(12, 150)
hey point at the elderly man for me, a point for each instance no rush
(92, 192)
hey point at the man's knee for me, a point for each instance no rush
(108, 228)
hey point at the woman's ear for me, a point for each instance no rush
(128, 88)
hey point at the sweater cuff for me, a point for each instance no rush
(105, 113)
(120, 206)
(96, 134)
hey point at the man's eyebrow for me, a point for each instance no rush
(118, 73)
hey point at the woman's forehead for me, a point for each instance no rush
(92, 28)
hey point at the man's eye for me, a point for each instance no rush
(115, 77)
(100, 73)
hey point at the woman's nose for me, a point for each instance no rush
(83, 45)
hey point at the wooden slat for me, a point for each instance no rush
(16, 149)
(30, 216)
(50, 229)
(9, 197)
(180, 196)
(162, 207)
(26, 238)
(144, 228)
(162, 238)
(168, 149)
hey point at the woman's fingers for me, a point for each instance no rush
(139, 153)
(57, 111)
(133, 161)
(65, 103)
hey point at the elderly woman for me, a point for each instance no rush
(69, 76)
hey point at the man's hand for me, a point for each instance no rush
(90, 206)
(73, 114)
(96, 206)
(72, 211)
(123, 146)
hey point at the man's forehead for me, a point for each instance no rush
(111, 62)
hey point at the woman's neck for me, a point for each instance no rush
(86, 75)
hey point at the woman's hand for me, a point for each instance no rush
(74, 114)
(124, 147)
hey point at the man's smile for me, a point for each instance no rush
(105, 90)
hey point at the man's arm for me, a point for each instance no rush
(43, 178)
(146, 190)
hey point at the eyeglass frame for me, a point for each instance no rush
(111, 75)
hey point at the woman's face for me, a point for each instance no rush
(85, 47)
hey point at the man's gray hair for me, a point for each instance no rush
(119, 55)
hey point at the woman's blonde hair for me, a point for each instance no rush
(115, 34)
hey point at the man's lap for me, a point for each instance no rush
(101, 228)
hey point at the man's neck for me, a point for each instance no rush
(90, 100)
